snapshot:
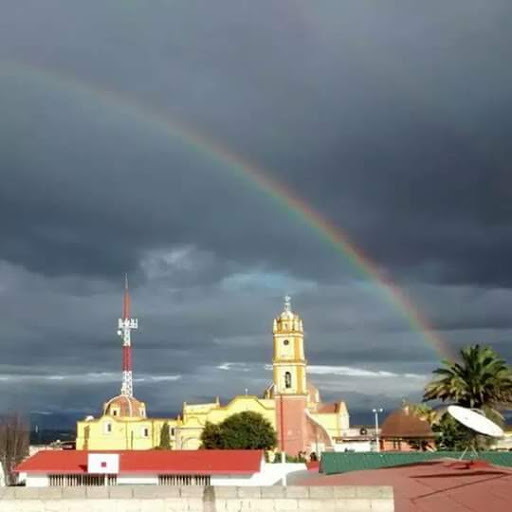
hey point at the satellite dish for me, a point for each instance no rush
(475, 421)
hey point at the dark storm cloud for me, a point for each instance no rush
(366, 122)
(392, 121)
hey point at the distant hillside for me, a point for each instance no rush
(55, 420)
(49, 436)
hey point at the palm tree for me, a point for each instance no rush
(480, 380)
(423, 411)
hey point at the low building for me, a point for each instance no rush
(403, 431)
(505, 443)
(356, 439)
(123, 425)
(152, 467)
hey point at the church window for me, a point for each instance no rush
(286, 342)
(114, 412)
(173, 432)
(108, 428)
(145, 432)
(287, 380)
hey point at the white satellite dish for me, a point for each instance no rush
(475, 421)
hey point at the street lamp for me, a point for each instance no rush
(376, 412)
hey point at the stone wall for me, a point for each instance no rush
(196, 499)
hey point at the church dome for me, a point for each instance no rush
(125, 406)
(403, 423)
(288, 321)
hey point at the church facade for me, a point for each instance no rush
(291, 403)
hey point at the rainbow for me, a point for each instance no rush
(248, 171)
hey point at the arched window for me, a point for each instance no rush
(287, 380)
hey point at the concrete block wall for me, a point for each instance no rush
(197, 499)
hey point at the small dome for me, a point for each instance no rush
(287, 315)
(288, 321)
(404, 424)
(125, 406)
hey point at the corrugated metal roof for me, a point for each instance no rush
(152, 461)
(333, 463)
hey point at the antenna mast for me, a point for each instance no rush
(125, 325)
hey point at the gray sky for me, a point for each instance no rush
(392, 121)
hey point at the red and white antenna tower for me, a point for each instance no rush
(125, 325)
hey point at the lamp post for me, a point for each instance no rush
(376, 413)
(283, 453)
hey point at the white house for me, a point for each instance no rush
(152, 467)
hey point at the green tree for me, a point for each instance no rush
(423, 412)
(480, 380)
(242, 431)
(451, 435)
(211, 437)
(165, 438)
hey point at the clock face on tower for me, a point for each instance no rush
(286, 349)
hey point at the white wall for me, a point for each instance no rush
(505, 443)
(37, 481)
(235, 480)
(125, 479)
(268, 475)
(141, 499)
(354, 446)
(318, 448)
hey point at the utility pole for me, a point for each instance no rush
(283, 453)
(376, 413)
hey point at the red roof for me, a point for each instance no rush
(434, 486)
(181, 462)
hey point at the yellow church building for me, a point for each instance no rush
(291, 403)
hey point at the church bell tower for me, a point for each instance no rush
(290, 385)
(289, 362)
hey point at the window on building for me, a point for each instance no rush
(108, 428)
(173, 432)
(286, 342)
(145, 432)
(80, 480)
(287, 380)
(182, 480)
(114, 412)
